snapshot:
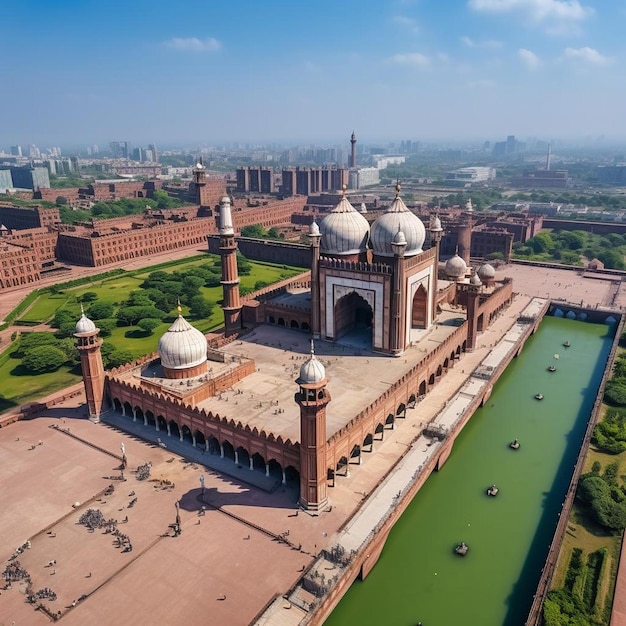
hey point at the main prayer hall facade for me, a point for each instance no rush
(373, 293)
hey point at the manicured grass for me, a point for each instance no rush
(19, 387)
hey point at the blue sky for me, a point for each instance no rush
(78, 71)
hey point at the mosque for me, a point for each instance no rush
(374, 300)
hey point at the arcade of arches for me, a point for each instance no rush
(261, 452)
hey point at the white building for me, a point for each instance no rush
(363, 177)
(470, 175)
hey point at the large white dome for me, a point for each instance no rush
(344, 230)
(397, 217)
(182, 346)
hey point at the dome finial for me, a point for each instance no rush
(82, 309)
(398, 187)
(312, 349)
(179, 308)
(344, 188)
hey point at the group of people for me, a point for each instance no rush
(14, 572)
(143, 471)
(43, 594)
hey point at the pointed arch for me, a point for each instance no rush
(419, 308)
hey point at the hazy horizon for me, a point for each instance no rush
(261, 72)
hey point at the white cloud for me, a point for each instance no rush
(406, 22)
(529, 58)
(586, 55)
(411, 58)
(559, 16)
(490, 44)
(193, 44)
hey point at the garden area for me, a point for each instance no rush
(573, 248)
(132, 310)
(583, 584)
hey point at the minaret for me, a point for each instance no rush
(313, 398)
(436, 233)
(549, 157)
(89, 347)
(473, 292)
(231, 304)
(464, 236)
(353, 150)
(199, 179)
(315, 236)
(398, 312)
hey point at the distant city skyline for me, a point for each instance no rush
(259, 72)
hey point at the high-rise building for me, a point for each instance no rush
(119, 149)
(16, 151)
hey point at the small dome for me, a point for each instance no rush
(385, 227)
(312, 370)
(314, 229)
(182, 346)
(475, 281)
(200, 165)
(225, 200)
(486, 272)
(363, 208)
(435, 225)
(399, 239)
(84, 325)
(455, 267)
(344, 230)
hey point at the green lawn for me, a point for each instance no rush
(588, 536)
(18, 388)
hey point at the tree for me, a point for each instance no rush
(60, 201)
(106, 326)
(28, 341)
(116, 357)
(149, 324)
(253, 230)
(88, 296)
(191, 285)
(63, 316)
(43, 359)
(200, 307)
(137, 297)
(130, 315)
(243, 265)
(100, 310)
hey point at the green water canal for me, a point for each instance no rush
(419, 577)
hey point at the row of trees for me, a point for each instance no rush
(42, 352)
(256, 230)
(132, 206)
(563, 246)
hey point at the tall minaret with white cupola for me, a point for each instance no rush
(312, 398)
(89, 347)
(231, 304)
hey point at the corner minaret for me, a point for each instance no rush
(312, 399)
(398, 317)
(89, 347)
(353, 150)
(199, 179)
(230, 278)
(314, 237)
(436, 233)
